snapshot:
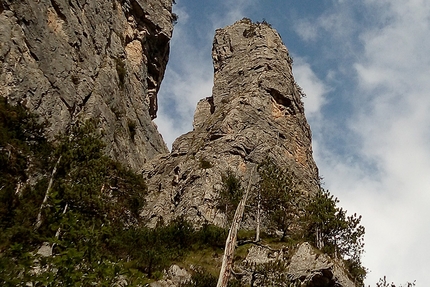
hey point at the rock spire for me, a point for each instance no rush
(255, 112)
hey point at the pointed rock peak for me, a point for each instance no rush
(250, 60)
(251, 57)
(255, 112)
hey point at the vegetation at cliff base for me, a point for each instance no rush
(383, 283)
(315, 218)
(69, 216)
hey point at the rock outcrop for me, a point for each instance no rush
(74, 60)
(305, 266)
(314, 269)
(255, 112)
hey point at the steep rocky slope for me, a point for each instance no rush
(73, 60)
(255, 112)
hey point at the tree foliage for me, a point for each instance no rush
(318, 217)
(331, 229)
(383, 283)
(280, 197)
(92, 197)
(230, 195)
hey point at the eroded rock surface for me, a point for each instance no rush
(73, 60)
(317, 270)
(174, 276)
(255, 111)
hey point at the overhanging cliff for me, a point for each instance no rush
(76, 60)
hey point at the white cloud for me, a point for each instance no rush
(306, 30)
(314, 88)
(391, 123)
(337, 22)
(233, 10)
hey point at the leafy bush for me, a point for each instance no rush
(131, 128)
(121, 71)
(211, 235)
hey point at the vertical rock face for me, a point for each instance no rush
(255, 112)
(73, 60)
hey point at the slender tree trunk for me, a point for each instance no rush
(45, 199)
(230, 244)
(319, 240)
(57, 234)
(257, 231)
(18, 188)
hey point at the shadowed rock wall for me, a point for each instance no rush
(77, 59)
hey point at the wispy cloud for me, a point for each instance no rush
(314, 87)
(386, 177)
(306, 30)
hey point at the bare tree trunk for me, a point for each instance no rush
(319, 240)
(230, 244)
(57, 234)
(18, 188)
(45, 199)
(257, 231)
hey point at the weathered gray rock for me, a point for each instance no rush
(255, 112)
(306, 267)
(314, 269)
(74, 60)
(173, 277)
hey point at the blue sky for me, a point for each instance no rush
(365, 67)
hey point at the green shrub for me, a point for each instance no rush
(281, 198)
(211, 235)
(230, 195)
(121, 71)
(201, 279)
(205, 164)
(131, 128)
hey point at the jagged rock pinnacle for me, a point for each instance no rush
(255, 112)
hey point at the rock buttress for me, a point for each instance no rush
(255, 112)
(74, 60)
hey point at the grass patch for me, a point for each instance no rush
(207, 258)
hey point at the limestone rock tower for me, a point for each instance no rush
(255, 112)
